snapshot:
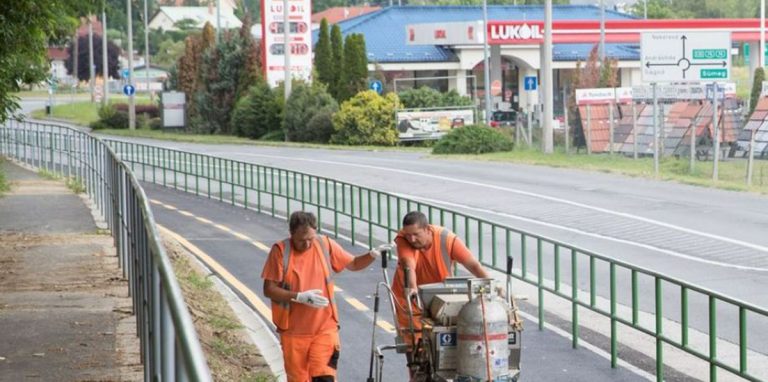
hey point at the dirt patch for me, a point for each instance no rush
(230, 355)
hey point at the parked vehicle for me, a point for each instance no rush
(507, 118)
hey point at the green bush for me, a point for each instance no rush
(366, 119)
(473, 139)
(142, 121)
(305, 104)
(273, 136)
(425, 96)
(156, 123)
(257, 113)
(111, 118)
(757, 84)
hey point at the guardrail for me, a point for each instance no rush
(364, 214)
(170, 349)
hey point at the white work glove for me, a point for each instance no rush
(376, 252)
(313, 298)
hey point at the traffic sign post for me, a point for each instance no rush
(129, 90)
(684, 57)
(376, 86)
(530, 83)
(125, 72)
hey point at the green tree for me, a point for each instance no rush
(337, 54)
(757, 85)
(222, 69)
(168, 53)
(26, 29)
(473, 139)
(323, 55)
(251, 69)
(82, 72)
(366, 119)
(308, 114)
(354, 78)
(257, 113)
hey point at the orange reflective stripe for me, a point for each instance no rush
(329, 276)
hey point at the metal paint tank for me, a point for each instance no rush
(471, 346)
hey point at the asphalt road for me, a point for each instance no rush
(227, 233)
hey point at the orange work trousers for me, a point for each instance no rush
(310, 356)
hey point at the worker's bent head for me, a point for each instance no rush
(303, 226)
(416, 230)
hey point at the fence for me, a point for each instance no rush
(170, 350)
(553, 267)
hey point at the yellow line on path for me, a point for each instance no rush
(386, 326)
(203, 220)
(185, 213)
(356, 304)
(260, 246)
(222, 272)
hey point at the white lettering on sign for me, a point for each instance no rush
(515, 33)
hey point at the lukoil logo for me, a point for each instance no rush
(515, 32)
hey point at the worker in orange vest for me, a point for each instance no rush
(428, 251)
(298, 278)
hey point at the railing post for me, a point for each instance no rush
(659, 333)
(574, 300)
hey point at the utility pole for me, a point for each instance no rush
(131, 100)
(486, 65)
(91, 69)
(104, 59)
(218, 19)
(645, 9)
(761, 50)
(146, 48)
(547, 84)
(602, 30)
(287, 49)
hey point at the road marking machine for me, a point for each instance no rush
(470, 332)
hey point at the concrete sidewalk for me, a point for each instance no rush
(65, 314)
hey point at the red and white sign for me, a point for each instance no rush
(496, 88)
(603, 96)
(515, 32)
(455, 33)
(300, 37)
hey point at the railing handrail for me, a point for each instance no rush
(194, 366)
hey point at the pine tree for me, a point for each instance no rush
(251, 70)
(323, 55)
(355, 74)
(337, 57)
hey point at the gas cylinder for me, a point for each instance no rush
(471, 341)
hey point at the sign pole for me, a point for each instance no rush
(131, 100)
(565, 115)
(693, 146)
(486, 65)
(610, 127)
(287, 50)
(588, 136)
(655, 132)
(634, 130)
(751, 160)
(716, 133)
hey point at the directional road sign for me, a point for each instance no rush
(125, 73)
(685, 56)
(530, 83)
(129, 90)
(376, 86)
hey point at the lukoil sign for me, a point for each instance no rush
(515, 32)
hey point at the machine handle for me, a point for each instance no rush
(509, 265)
(384, 255)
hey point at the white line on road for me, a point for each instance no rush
(529, 194)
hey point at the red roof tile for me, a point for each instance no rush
(337, 14)
(58, 54)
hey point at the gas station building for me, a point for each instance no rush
(442, 46)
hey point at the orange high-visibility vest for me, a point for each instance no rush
(281, 310)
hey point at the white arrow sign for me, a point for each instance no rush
(685, 56)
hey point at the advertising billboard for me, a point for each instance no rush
(432, 124)
(300, 38)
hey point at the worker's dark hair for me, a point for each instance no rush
(415, 217)
(300, 219)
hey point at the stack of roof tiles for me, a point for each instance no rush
(758, 122)
(678, 119)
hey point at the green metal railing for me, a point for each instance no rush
(365, 215)
(170, 349)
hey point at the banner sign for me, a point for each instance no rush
(454, 33)
(433, 124)
(515, 32)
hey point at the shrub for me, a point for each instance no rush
(111, 118)
(424, 97)
(273, 136)
(257, 113)
(366, 119)
(156, 123)
(757, 83)
(151, 110)
(473, 139)
(308, 114)
(142, 121)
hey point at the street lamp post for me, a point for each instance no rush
(131, 101)
(146, 49)
(547, 81)
(486, 65)
(287, 49)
